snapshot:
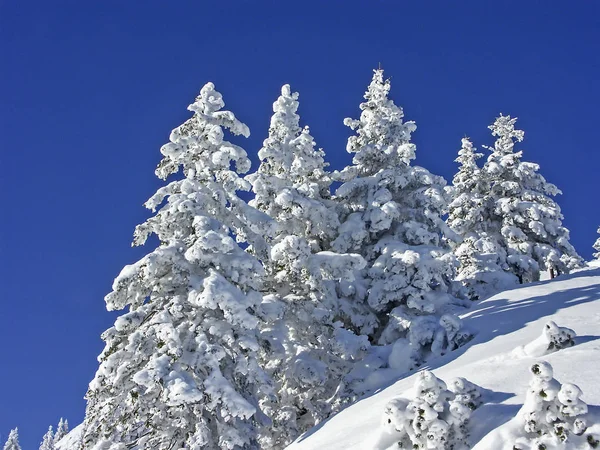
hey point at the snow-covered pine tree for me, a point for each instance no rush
(483, 268)
(61, 430)
(552, 413)
(521, 209)
(596, 246)
(12, 443)
(306, 349)
(48, 440)
(179, 369)
(435, 419)
(391, 214)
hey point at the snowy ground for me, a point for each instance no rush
(498, 359)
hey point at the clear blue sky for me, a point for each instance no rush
(89, 91)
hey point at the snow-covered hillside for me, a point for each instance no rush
(508, 328)
(72, 440)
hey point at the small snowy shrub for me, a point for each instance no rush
(466, 393)
(552, 339)
(437, 418)
(558, 337)
(552, 413)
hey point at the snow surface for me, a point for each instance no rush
(498, 360)
(72, 440)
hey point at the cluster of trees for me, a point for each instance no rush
(48, 441)
(505, 215)
(243, 325)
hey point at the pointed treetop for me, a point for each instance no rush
(467, 156)
(61, 430)
(48, 440)
(12, 443)
(466, 180)
(199, 144)
(288, 155)
(504, 129)
(378, 90)
(285, 126)
(285, 109)
(596, 246)
(382, 138)
(209, 100)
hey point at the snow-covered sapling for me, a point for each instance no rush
(48, 440)
(553, 338)
(62, 430)
(436, 418)
(597, 246)
(12, 443)
(552, 413)
(483, 270)
(465, 393)
(558, 337)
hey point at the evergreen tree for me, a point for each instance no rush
(391, 214)
(12, 443)
(305, 349)
(62, 430)
(179, 369)
(552, 413)
(291, 184)
(483, 269)
(521, 209)
(48, 440)
(597, 246)
(437, 418)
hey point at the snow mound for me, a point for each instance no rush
(499, 360)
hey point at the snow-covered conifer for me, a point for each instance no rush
(552, 412)
(391, 214)
(306, 347)
(552, 339)
(12, 443)
(436, 418)
(61, 430)
(522, 211)
(291, 184)
(483, 267)
(48, 440)
(597, 246)
(179, 369)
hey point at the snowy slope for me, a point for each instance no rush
(72, 440)
(497, 360)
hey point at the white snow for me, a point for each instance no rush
(72, 440)
(495, 360)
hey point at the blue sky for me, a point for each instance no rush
(90, 91)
